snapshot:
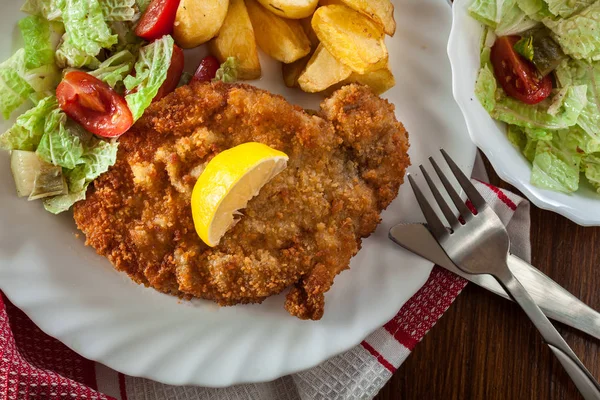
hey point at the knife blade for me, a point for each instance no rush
(556, 302)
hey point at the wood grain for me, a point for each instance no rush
(485, 348)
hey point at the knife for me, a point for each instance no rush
(556, 302)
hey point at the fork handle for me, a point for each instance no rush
(585, 382)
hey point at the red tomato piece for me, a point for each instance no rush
(207, 69)
(518, 76)
(173, 74)
(93, 104)
(157, 20)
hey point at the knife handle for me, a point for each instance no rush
(557, 303)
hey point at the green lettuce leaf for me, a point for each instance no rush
(535, 9)
(486, 88)
(14, 88)
(88, 30)
(525, 47)
(40, 41)
(591, 169)
(536, 116)
(59, 146)
(58, 204)
(118, 10)
(556, 164)
(98, 156)
(228, 71)
(513, 20)
(28, 129)
(126, 37)
(43, 80)
(150, 73)
(516, 136)
(579, 35)
(49, 9)
(115, 68)
(69, 55)
(504, 16)
(566, 8)
(575, 72)
(142, 4)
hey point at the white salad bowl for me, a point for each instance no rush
(583, 206)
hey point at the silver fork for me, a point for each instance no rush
(479, 244)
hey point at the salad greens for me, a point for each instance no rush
(560, 135)
(60, 35)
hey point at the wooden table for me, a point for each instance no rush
(484, 348)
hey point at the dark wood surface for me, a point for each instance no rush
(484, 347)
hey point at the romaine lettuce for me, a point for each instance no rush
(579, 35)
(118, 10)
(58, 204)
(58, 145)
(28, 129)
(504, 16)
(40, 40)
(575, 72)
(228, 71)
(115, 68)
(98, 156)
(556, 165)
(14, 88)
(150, 73)
(49, 9)
(513, 111)
(88, 30)
(142, 4)
(591, 169)
(566, 8)
(68, 55)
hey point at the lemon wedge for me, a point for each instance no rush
(228, 182)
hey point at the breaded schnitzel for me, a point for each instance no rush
(346, 164)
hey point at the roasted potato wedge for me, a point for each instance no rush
(379, 81)
(310, 32)
(282, 39)
(236, 39)
(198, 21)
(350, 37)
(322, 71)
(292, 71)
(380, 11)
(293, 9)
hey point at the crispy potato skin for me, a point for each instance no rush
(198, 21)
(292, 9)
(345, 166)
(282, 39)
(236, 39)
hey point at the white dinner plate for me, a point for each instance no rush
(76, 296)
(583, 206)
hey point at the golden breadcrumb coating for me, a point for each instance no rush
(345, 165)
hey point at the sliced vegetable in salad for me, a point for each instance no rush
(80, 80)
(540, 74)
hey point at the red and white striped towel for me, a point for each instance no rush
(35, 366)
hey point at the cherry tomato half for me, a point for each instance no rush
(207, 69)
(93, 104)
(518, 76)
(158, 19)
(173, 74)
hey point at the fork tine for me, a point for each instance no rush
(458, 202)
(435, 225)
(465, 183)
(448, 213)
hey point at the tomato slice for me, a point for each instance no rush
(93, 104)
(518, 76)
(207, 69)
(157, 20)
(173, 74)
